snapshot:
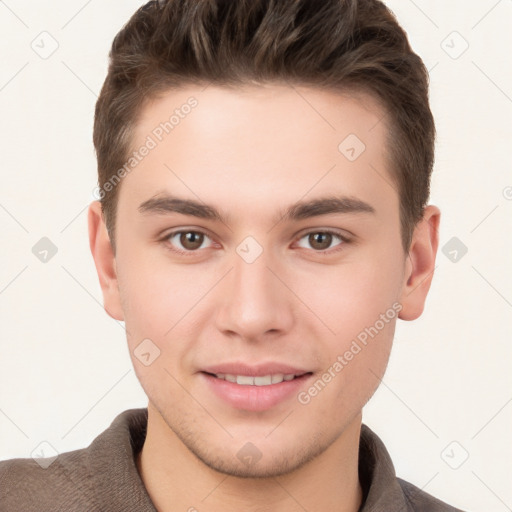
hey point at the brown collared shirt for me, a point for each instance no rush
(104, 478)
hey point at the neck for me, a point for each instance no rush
(176, 479)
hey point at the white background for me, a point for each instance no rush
(65, 371)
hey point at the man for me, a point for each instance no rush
(264, 173)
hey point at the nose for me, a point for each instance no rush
(254, 300)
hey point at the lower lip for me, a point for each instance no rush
(252, 397)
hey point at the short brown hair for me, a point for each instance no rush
(345, 45)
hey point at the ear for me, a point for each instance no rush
(420, 264)
(104, 260)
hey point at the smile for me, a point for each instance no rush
(248, 380)
(255, 392)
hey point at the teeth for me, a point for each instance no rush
(247, 380)
(278, 377)
(262, 381)
(242, 379)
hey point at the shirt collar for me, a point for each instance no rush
(118, 446)
(381, 489)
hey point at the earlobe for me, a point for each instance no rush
(104, 260)
(420, 264)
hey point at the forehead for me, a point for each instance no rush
(261, 109)
(267, 143)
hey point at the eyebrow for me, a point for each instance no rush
(165, 203)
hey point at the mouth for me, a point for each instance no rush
(255, 393)
(263, 380)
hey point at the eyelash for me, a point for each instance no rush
(166, 238)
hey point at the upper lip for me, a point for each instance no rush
(255, 370)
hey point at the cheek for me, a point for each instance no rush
(161, 299)
(154, 301)
(358, 303)
(354, 361)
(148, 296)
(351, 297)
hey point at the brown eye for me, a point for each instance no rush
(321, 241)
(191, 240)
(186, 241)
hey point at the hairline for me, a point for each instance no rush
(347, 90)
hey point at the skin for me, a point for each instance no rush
(251, 152)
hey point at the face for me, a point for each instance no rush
(288, 262)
